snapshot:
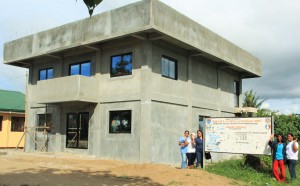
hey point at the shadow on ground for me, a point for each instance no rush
(47, 176)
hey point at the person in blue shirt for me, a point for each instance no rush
(199, 149)
(278, 157)
(183, 143)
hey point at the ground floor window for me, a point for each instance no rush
(1, 119)
(44, 120)
(120, 121)
(17, 124)
(77, 130)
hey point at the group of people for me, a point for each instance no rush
(284, 153)
(191, 148)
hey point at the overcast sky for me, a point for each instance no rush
(268, 29)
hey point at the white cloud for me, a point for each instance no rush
(265, 105)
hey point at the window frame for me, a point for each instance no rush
(47, 122)
(80, 64)
(77, 130)
(122, 55)
(110, 119)
(236, 93)
(47, 69)
(176, 67)
(1, 120)
(11, 129)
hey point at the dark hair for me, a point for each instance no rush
(282, 138)
(290, 134)
(200, 131)
(187, 131)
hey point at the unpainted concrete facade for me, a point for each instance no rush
(161, 108)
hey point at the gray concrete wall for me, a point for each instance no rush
(162, 108)
(123, 87)
(120, 146)
(168, 123)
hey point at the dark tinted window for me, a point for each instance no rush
(81, 69)
(17, 124)
(46, 74)
(169, 67)
(120, 121)
(236, 92)
(42, 119)
(121, 65)
(1, 119)
(77, 130)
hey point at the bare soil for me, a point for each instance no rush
(39, 169)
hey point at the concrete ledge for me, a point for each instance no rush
(120, 98)
(202, 104)
(176, 25)
(142, 17)
(66, 89)
(246, 110)
(228, 109)
(169, 99)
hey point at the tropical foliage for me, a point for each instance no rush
(251, 100)
(284, 124)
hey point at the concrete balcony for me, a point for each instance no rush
(67, 89)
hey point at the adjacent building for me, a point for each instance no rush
(126, 83)
(12, 119)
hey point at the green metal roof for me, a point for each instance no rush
(12, 101)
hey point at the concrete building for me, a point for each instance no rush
(12, 119)
(126, 83)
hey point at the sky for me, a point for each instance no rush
(268, 29)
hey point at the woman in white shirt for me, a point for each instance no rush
(292, 155)
(191, 152)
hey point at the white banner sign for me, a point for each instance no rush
(238, 135)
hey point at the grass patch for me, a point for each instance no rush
(257, 171)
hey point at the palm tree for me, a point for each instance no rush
(251, 100)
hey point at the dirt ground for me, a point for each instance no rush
(39, 168)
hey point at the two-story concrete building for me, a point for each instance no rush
(126, 83)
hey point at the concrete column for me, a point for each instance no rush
(219, 92)
(98, 63)
(190, 92)
(146, 88)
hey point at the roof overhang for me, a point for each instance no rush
(144, 20)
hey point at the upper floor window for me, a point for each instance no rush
(83, 69)
(120, 121)
(46, 74)
(17, 124)
(1, 119)
(44, 120)
(169, 67)
(236, 92)
(121, 65)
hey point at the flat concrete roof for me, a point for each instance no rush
(146, 20)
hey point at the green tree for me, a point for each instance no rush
(251, 100)
(91, 5)
(284, 124)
